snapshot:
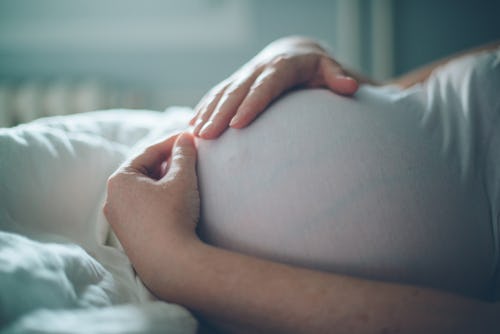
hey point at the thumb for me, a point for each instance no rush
(183, 158)
(335, 78)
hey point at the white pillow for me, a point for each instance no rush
(54, 170)
(52, 180)
(53, 176)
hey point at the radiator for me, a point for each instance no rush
(27, 100)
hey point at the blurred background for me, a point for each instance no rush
(66, 56)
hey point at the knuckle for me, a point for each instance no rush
(114, 182)
(205, 114)
(261, 88)
(209, 100)
(218, 89)
(271, 73)
(255, 88)
(111, 183)
(215, 95)
(232, 91)
(280, 61)
(106, 209)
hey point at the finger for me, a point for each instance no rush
(201, 105)
(207, 104)
(149, 162)
(335, 78)
(269, 85)
(208, 97)
(228, 106)
(183, 159)
(196, 113)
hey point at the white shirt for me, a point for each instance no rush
(398, 185)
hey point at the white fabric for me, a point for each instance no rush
(150, 318)
(463, 100)
(389, 185)
(52, 186)
(396, 185)
(59, 288)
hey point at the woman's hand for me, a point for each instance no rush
(284, 64)
(153, 206)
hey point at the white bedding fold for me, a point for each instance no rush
(151, 318)
(57, 275)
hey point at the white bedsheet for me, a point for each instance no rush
(58, 271)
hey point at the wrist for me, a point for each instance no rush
(167, 267)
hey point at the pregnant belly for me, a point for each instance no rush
(355, 186)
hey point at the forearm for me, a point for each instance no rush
(263, 296)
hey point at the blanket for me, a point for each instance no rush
(61, 270)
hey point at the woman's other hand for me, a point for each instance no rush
(153, 206)
(284, 64)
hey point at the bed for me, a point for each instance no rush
(61, 269)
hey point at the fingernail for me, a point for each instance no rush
(345, 77)
(206, 128)
(234, 120)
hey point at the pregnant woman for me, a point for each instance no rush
(373, 213)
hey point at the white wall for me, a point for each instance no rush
(172, 51)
